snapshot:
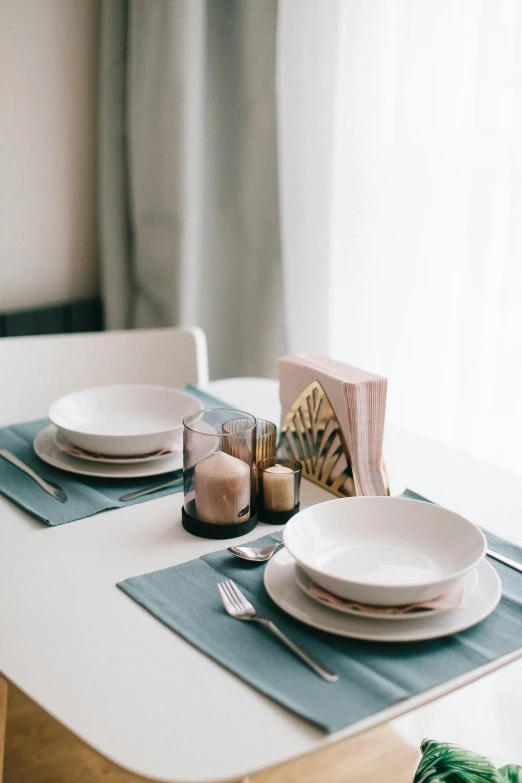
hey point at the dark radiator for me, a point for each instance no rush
(81, 316)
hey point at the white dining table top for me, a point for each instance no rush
(141, 695)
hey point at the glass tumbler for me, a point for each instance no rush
(266, 437)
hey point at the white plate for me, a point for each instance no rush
(62, 442)
(305, 583)
(124, 420)
(46, 448)
(283, 590)
(383, 551)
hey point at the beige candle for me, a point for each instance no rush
(222, 488)
(278, 488)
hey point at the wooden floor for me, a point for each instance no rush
(40, 750)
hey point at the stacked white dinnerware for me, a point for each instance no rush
(117, 431)
(381, 568)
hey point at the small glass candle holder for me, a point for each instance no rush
(279, 485)
(218, 485)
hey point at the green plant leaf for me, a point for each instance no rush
(511, 773)
(449, 763)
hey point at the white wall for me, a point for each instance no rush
(48, 99)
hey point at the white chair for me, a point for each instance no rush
(59, 364)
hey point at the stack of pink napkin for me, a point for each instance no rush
(358, 400)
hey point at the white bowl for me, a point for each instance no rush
(123, 420)
(381, 550)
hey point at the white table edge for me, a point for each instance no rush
(366, 724)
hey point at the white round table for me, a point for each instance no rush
(150, 702)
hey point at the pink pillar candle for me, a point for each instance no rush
(222, 489)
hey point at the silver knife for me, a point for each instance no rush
(49, 486)
(506, 560)
(156, 488)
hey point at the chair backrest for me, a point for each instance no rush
(35, 371)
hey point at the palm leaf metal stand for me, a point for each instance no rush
(312, 434)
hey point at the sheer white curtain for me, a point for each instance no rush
(400, 131)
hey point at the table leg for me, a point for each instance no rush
(3, 715)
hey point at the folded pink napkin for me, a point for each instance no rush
(450, 599)
(75, 451)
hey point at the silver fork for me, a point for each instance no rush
(239, 607)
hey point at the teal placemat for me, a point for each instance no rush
(86, 496)
(373, 675)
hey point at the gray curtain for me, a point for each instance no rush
(189, 230)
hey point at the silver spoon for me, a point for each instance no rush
(255, 554)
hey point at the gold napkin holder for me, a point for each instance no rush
(312, 434)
